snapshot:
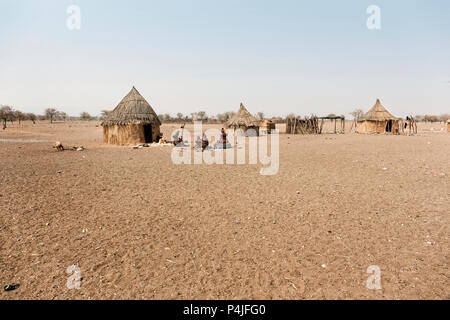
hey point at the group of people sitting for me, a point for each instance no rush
(200, 143)
(203, 143)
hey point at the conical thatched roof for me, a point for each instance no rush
(243, 118)
(133, 109)
(378, 113)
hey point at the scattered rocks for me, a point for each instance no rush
(11, 287)
(58, 146)
(140, 146)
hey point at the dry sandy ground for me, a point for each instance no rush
(155, 230)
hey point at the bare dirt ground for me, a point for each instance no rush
(139, 226)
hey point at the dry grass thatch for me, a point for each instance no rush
(243, 118)
(377, 113)
(133, 109)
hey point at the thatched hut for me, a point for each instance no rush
(378, 120)
(133, 121)
(242, 121)
(266, 127)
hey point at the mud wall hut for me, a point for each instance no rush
(378, 120)
(133, 121)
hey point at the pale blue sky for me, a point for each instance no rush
(183, 56)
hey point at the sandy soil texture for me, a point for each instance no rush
(140, 227)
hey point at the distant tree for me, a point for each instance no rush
(31, 116)
(291, 115)
(202, 115)
(444, 117)
(85, 116)
(61, 115)
(430, 118)
(165, 117)
(229, 115)
(6, 113)
(260, 115)
(50, 114)
(179, 116)
(357, 113)
(19, 115)
(104, 114)
(221, 117)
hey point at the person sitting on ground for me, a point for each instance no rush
(178, 136)
(205, 142)
(224, 137)
(160, 139)
(198, 143)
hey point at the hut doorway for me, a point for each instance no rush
(148, 133)
(389, 126)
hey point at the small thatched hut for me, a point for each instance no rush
(133, 121)
(242, 121)
(378, 120)
(266, 127)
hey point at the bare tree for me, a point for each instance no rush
(104, 114)
(50, 114)
(357, 113)
(444, 117)
(260, 115)
(221, 117)
(62, 115)
(31, 116)
(85, 116)
(431, 118)
(6, 113)
(19, 115)
(202, 115)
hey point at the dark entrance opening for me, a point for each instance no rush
(389, 126)
(148, 133)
